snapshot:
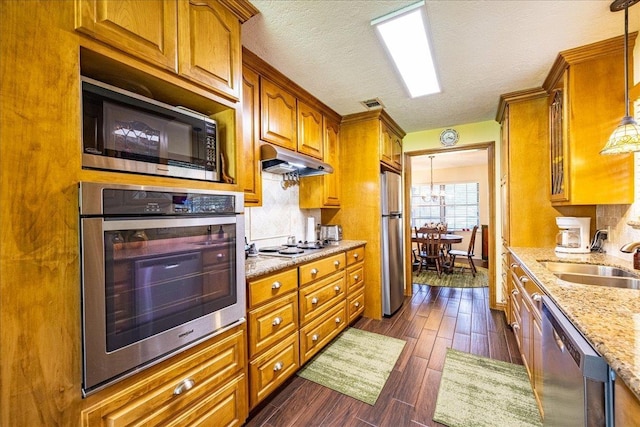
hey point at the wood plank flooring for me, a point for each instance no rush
(431, 321)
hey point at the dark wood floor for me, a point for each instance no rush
(431, 321)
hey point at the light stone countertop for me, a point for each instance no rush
(608, 317)
(264, 264)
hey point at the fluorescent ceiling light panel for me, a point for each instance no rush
(405, 37)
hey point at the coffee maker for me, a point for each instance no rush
(573, 237)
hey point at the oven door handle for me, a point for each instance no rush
(140, 224)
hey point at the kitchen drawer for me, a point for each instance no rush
(355, 304)
(271, 287)
(321, 268)
(355, 277)
(317, 334)
(150, 398)
(272, 368)
(315, 298)
(355, 255)
(270, 323)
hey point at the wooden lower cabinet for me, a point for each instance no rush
(272, 368)
(204, 385)
(626, 406)
(317, 334)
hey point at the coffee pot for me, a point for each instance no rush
(574, 235)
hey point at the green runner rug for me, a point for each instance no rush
(357, 363)
(453, 280)
(480, 392)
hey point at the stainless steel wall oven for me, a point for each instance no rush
(162, 269)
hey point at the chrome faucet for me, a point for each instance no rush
(630, 247)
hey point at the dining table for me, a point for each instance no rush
(446, 240)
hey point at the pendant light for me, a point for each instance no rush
(435, 195)
(626, 137)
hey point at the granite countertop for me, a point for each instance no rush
(263, 264)
(608, 317)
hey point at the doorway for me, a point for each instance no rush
(456, 159)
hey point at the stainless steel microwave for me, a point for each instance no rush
(127, 132)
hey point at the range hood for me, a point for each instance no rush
(281, 161)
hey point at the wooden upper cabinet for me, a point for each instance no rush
(591, 79)
(390, 147)
(278, 116)
(250, 143)
(145, 29)
(310, 140)
(324, 191)
(209, 46)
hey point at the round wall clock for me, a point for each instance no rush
(449, 137)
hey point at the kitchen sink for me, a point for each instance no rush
(590, 269)
(592, 274)
(609, 281)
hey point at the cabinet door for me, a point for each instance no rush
(538, 373)
(396, 151)
(144, 29)
(209, 46)
(332, 156)
(250, 142)
(310, 131)
(277, 116)
(559, 149)
(386, 145)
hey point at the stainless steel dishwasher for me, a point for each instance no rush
(577, 388)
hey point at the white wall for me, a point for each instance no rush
(279, 216)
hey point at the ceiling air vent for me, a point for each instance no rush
(372, 104)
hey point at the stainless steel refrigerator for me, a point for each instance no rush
(392, 243)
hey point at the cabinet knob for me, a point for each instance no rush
(514, 292)
(276, 285)
(356, 277)
(315, 337)
(314, 300)
(220, 256)
(536, 297)
(278, 366)
(338, 320)
(337, 289)
(356, 255)
(524, 279)
(357, 304)
(277, 321)
(515, 326)
(184, 386)
(336, 263)
(314, 271)
(514, 265)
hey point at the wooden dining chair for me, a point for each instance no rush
(468, 254)
(430, 252)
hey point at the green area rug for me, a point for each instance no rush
(453, 280)
(357, 363)
(476, 391)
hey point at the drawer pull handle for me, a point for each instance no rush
(278, 366)
(356, 255)
(357, 304)
(338, 320)
(184, 387)
(337, 289)
(277, 321)
(336, 263)
(536, 297)
(356, 277)
(514, 292)
(314, 271)
(276, 285)
(315, 337)
(314, 300)
(514, 265)
(524, 279)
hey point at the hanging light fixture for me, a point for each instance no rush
(435, 195)
(626, 137)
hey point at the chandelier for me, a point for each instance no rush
(435, 194)
(626, 137)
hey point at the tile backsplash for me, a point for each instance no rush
(279, 216)
(617, 217)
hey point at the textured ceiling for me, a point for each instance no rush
(482, 50)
